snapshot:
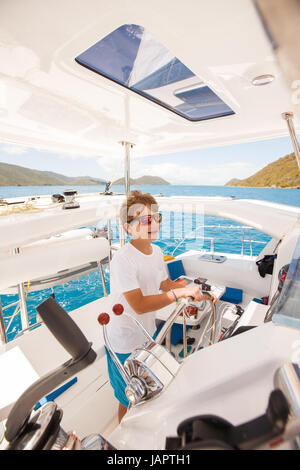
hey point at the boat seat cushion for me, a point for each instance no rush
(176, 269)
(176, 332)
(234, 296)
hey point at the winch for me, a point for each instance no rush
(70, 202)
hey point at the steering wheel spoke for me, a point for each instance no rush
(186, 309)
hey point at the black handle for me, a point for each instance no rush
(73, 340)
(63, 328)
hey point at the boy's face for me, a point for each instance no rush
(143, 226)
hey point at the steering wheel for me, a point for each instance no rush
(183, 307)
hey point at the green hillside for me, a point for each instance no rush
(143, 180)
(283, 173)
(14, 175)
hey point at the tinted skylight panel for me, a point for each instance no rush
(132, 57)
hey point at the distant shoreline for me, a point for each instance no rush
(148, 184)
(92, 185)
(262, 187)
(19, 176)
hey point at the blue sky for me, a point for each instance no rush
(208, 166)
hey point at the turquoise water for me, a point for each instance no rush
(174, 227)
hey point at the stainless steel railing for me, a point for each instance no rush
(21, 308)
(3, 338)
(21, 303)
(244, 228)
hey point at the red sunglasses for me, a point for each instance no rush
(147, 219)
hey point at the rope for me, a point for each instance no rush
(8, 209)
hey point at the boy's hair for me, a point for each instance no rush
(135, 202)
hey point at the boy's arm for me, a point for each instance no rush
(169, 284)
(144, 304)
(148, 303)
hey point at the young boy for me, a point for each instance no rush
(137, 274)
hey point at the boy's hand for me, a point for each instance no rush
(197, 294)
(181, 282)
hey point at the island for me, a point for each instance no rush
(144, 180)
(283, 173)
(15, 175)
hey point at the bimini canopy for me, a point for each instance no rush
(172, 76)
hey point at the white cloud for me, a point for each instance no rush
(204, 173)
(13, 149)
(112, 167)
(218, 174)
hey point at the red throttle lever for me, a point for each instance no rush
(104, 318)
(118, 309)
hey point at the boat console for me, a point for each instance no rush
(148, 370)
(213, 432)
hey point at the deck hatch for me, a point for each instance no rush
(132, 57)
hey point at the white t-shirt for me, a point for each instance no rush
(131, 269)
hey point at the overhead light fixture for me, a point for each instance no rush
(262, 79)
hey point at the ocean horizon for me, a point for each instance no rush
(290, 196)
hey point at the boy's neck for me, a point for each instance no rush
(142, 245)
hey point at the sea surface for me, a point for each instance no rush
(192, 232)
